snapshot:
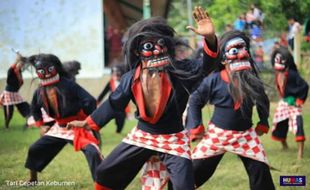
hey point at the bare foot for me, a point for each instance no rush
(300, 150)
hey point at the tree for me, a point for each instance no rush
(226, 11)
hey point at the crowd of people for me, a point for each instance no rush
(163, 81)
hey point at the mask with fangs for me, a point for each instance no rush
(48, 68)
(236, 55)
(154, 54)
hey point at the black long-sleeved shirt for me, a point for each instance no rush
(71, 99)
(171, 119)
(14, 79)
(214, 90)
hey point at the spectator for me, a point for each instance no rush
(256, 32)
(250, 18)
(294, 28)
(239, 23)
(257, 13)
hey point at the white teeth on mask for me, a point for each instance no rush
(158, 62)
(48, 81)
(236, 66)
(279, 66)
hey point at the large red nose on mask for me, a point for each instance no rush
(158, 50)
(242, 54)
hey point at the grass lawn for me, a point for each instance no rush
(71, 167)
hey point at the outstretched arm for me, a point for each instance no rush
(116, 102)
(197, 101)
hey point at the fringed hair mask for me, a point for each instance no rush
(48, 68)
(154, 53)
(282, 59)
(279, 62)
(236, 55)
(150, 43)
(244, 85)
(47, 73)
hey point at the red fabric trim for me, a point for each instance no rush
(101, 187)
(263, 128)
(208, 51)
(127, 109)
(224, 76)
(299, 102)
(39, 123)
(79, 116)
(112, 85)
(92, 124)
(278, 139)
(198, 130)
(138, 94)
(300, 138)
(237, 105)
(82, 138)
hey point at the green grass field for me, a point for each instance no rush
(70, 166)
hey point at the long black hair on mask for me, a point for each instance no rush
(245, 85)
(286, 54)
(155, 27)
(48, 58)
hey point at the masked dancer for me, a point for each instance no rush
(64, 101)
(159, 85)
(293, 91)
(233, 90)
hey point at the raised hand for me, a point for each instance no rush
(204, 24)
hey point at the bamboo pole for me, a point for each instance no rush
(297, 48)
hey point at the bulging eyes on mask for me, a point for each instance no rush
(236, 54)
(47, 73)
(279, 62)
(154, 53)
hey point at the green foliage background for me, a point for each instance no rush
(226, 11)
